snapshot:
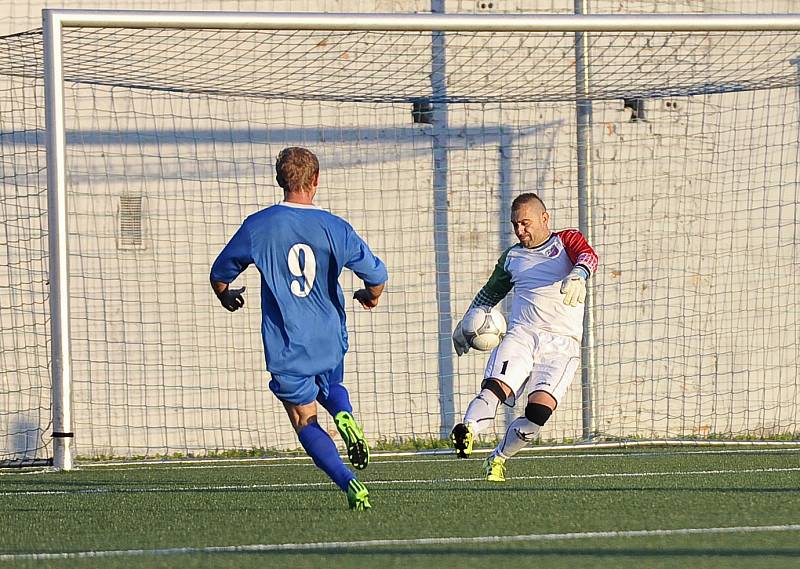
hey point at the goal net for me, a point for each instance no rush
(424, 138)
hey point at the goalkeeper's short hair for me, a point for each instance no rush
(526, 198)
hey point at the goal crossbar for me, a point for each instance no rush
(422, 22)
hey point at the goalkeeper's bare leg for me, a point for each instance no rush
(479, 416)
(520, 432)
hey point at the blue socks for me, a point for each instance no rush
(338, 399)
(322, 450)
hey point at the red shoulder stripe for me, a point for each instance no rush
(579, 251)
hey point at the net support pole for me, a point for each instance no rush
(440, 143)
(61, 362)
(583, 110)
(505, 147)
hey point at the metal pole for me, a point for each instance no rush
(505, 147)
(441, 227)
(426, 22)
(61, 362)
(583, 110)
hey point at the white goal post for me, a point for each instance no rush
(668, 319)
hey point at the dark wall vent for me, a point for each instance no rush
(130, 222)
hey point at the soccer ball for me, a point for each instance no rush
(483, 328)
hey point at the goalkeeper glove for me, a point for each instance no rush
(232, 300)
(459, 341)
(574, 286)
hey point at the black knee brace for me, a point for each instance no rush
(493, 385)
(538, 413)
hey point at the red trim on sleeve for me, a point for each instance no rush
(579, 251)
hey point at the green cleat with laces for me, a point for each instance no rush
(494, 467)
(358, 496)
(354, 440)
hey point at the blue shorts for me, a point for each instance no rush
(304, 390)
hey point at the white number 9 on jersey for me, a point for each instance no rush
(302, 265)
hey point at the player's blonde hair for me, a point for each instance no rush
(296, 168)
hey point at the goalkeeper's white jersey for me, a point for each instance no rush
(535, 276)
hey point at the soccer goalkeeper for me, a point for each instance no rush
(300, 250)
(541, 351)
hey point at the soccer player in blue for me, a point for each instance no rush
(300, 250)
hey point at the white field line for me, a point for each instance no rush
(755, 447)
(345, 545)
(267, 462)
(446, 481)
(306, 460)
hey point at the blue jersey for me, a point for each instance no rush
(300, 251)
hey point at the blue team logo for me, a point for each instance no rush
(553, 252)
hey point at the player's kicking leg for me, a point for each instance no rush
(480, 414)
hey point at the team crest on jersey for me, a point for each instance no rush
(553, 251)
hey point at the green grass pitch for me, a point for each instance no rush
(730, 507)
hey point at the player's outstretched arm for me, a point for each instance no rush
(369, 295)
(231, 299)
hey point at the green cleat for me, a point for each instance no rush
(494, 467)
(462, 438)
(354, 441)
(358, 496)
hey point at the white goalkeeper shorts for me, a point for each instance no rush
(536, 361)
